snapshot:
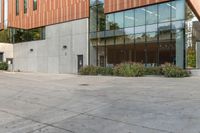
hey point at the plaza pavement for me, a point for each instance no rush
(50, 103)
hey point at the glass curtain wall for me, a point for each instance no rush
(97, 34)
(152, 35)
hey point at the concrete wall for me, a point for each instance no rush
(7, 50)
(48, 55)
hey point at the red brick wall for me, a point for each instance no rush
(117, 5)
(195, 6)
(48, 12)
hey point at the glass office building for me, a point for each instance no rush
(152, 35)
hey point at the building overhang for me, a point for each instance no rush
(119, 5)
(195, 7)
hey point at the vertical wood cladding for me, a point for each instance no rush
(2, 15)
(48, 12)
(195, 6)
(117, 5)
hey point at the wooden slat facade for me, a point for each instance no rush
(2, 15)
(48, 12)
(118, 5)
(195, 6)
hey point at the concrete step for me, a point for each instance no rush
(195, 72)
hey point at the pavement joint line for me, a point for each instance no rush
(131, 124)
(47, 124)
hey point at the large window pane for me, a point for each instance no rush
(93, 19)
(164, 31)
(140, 38)
(167, 53)
(152, 37)
(151, 28)
(119, 40)
(129, 18)
(164, 12)
(119, 32)
(178, 9)
(152, 54)
(129, 39)
(101, 18)
(152, 14)
(110, 41)
(110, 23)
(140, 29)
(128, 31)
(140, 53)
(119, 21)
(140, 16)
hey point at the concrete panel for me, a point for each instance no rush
(50, 56)
(7, 50)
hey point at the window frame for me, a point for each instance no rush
(35, 5)
(17, 7)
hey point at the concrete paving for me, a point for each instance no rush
(48, 103)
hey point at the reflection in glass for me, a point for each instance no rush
(140, 16)
(164, 12)
(110, 41)
(129, 18)
(93, 19)
(140, 53)
(110, 23)
(119, 21)
(140, 38)
(101, 18)
(178, 24)
(119, 40)
(152, 54)
(140, 29)
(151, 14)
(151, 28)
(152, 37)
(119, 32)
(164, 31)
(129, 39)
(109, 33)
(178, 9)
(128, 31)
(167, 53)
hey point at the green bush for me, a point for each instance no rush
(135, 70)
(153, 71)
(105, 71)
(170, 70)
(129, 70)
(95, 70)
(89, 70)
(3, 66)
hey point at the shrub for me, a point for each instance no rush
(105, 71)
(153, 71)
(170, 70)
(89, 70)
(95, 70)
(3, 66)
(129, 70)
